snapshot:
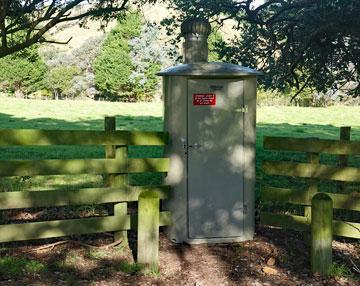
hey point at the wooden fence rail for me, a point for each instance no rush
(313, 172)
(116, 166)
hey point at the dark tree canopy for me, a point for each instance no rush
(26, 22)
(301, 44)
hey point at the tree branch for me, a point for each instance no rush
(301, 89)
(41, 21)
(55, 42)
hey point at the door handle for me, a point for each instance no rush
(195, 146)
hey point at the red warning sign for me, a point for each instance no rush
(204, 99)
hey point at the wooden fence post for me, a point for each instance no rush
(312, 158)
(343, 159)
(114, 180)
(321, 234)
(110, 125)
(148, 231)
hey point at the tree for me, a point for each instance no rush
(148, 56)
(22, 72)
(299, 44)
(60, 80)
(83, 84)
(113, 66)
(26, 22)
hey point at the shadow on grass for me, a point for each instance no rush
(239, 266)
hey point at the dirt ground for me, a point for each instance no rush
(274, 257)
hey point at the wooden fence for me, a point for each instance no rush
(116, 165)
(313, 172)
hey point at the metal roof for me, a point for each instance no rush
(209, 69)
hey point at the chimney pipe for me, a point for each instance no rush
(195, 31)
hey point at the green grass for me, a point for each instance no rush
(89, 115)
(96, 254)
(17, 266)
(129, 268)
(340, 270)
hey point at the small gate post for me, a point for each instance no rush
(116, 180)
(148, 231)
(321, 234)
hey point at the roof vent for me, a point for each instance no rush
(195, 31)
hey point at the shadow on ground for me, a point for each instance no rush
(234, 264)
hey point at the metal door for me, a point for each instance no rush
(215, 158)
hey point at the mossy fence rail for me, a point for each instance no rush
(318, 204)
(116, 166)
(314, 172)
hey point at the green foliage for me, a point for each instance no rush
(22, 72)
(96, 254)
(60, 80)
(14, 184)
(16, 266)
(83, 83)
(298, 44)
(113, 66)
(214, 41)
(28, 22)
(340, 270)
(129, 268)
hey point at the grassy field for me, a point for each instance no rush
(89, 115)
(72, 264)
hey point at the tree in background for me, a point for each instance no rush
(23, 72)
(83, 83)
(60, 80)
(299, 44)
(215, 42)
(148, 56)
(113, 66)
(24, 23)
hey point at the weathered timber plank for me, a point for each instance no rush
(143, 165)
(300, 223)
(312, 145)
(298, 197)
(315, 171)
(62, 167)
(24, 199)
(148, 231)
(321, 234)
(293, 222)
(58, 228)
(346, 229)
(81, 166)
(164, 219)
(148, 138)
(76, 137)
(48, 229)
(313, 158)
(345, 133)
(110, 125)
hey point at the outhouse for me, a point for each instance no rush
(210, 116)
